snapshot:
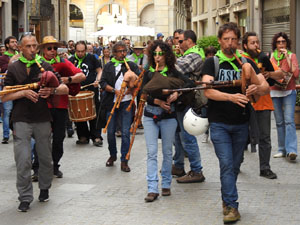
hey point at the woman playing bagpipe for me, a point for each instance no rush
(159, 116)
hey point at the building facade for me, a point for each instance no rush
(88, 16)
(41, 17)
(265, 17)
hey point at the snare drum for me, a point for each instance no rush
(82, 107)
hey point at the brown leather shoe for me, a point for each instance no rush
(191, 177)
(151, 197)
(165, 191)
(125, 167)
(110, 161)
(225, 209)
(177, 171)
(232, 216)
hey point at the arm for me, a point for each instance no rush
(217, 95)
(189, 63)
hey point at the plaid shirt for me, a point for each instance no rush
(190, 65)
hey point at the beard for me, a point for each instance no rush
(253, 53)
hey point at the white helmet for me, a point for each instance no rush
(194, 124)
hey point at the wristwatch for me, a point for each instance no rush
(113, 90)
(70, 80)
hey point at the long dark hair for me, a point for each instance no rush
(169, 55)
(285, 36)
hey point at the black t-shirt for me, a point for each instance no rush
(88, 67)
(226, 111)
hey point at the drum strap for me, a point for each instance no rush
(119, 74)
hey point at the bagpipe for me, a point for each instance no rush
(47, 79)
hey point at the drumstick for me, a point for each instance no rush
(87, 85)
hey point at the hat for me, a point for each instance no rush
(50, 40)
(159, 35)
(138, 44)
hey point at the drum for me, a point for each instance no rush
(82, 107)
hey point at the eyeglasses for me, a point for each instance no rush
(121, 51)
(281, 42)
(158, 53)
(52, 47)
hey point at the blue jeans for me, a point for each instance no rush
(126, 118)
(285, 124)
(229, 142)
(167, 128)
(7, 107)
(187, 142)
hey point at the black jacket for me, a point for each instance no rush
(109, 78)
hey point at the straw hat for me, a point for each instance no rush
(138, 44)
(50, 40)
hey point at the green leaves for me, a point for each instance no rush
(207, 41)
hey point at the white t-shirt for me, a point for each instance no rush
(119, 83)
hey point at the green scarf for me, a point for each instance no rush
(195, 49)
(282, 56)
(31, 62)
(136, 58)
(255, 59)
(52, 61)
(224, 58)
(117, 62)
(177, 54)
(163, 72)
(10, 54)
(79, 60)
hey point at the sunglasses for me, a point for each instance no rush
(181, 41)
(25, 34)
(50, 48)
(158, 53)
(281, 41)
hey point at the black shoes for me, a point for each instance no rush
(57, 173)
(98, 142)
(44, 195)
(35, 176)
(5, 141)
(82, 141)
(70, 132)
(267, 173)
(23, 207)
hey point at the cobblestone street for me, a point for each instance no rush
(90, 193)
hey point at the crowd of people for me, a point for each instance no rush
(237, 116)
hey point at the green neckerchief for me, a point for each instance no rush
(52, 61)
(195, 49)
(10, 54)
(137, 57)
(177, 54)
(31, 62)
(117, 62)
(163, 72)
(255, 59)
(79, 60)
(282, 56)
(224, 58)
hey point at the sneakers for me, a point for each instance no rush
(44, 195)
(35, 177)
(233, 215)
(292, 156)
(5, 141)
(191, 177)
(279, 155)
(177, 171)
(151, 197)
(267, 173)
(23, 207)
(119, 133)
(57, 173)
(98, 142)
(165, 191)
(205, 138)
